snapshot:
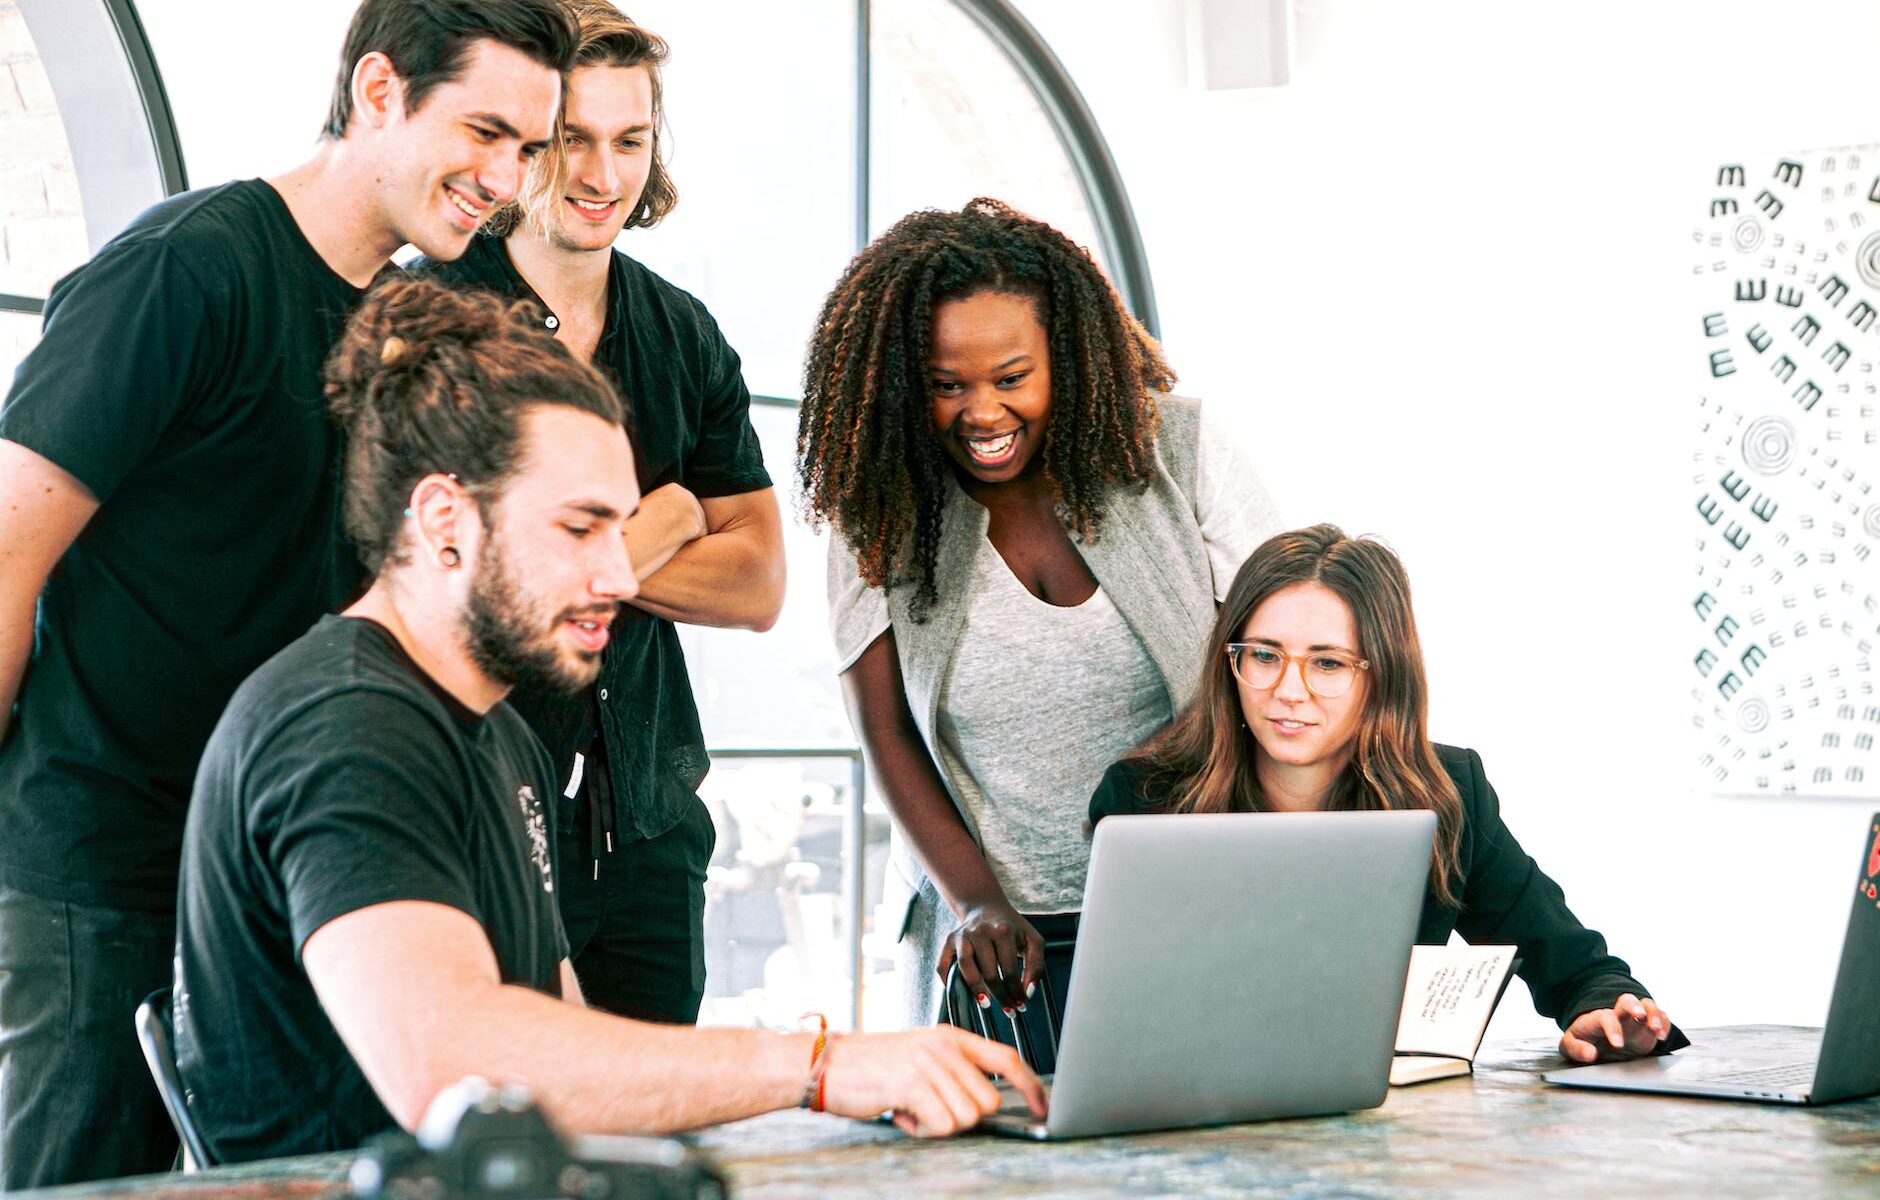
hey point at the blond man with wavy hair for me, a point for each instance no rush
(707, 541)
(609, 38)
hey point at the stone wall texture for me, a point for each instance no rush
(42, 226)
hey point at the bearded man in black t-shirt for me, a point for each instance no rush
(707, 541)
(169, 515)
(367, 901)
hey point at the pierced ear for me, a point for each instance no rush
(378, 93)
(438, 505)
(434, 489)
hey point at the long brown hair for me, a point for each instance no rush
(868, 462)
(1204, 761)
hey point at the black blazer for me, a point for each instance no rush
(1505, 898)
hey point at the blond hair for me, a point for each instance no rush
(609, 38)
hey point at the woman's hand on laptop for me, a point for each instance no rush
(933, 1079)
(990, 945)
(1631, 1027)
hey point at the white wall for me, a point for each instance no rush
(249, 88)
(1441, 281)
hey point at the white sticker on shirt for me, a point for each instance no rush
(574, 780)
(536, 824)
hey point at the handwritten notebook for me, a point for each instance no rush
(1449, 997)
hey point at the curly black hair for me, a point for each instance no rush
(868, 462)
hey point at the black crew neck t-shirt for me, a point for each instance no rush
(342, 777)
(689, 421)
(178, 379)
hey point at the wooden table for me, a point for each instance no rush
(1503, 1133)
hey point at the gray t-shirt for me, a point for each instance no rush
(1029, 674)
(1158, 593)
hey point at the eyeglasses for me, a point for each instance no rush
(1327, 674)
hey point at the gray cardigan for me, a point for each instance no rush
(1151, 560)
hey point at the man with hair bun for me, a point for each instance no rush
(368, 893)
(708, 539)
(169, 519)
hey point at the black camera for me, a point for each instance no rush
(478, 1142)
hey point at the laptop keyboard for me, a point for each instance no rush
(1792, 1075)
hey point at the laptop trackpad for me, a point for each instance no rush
(1670, 1069)
(1014, 1117)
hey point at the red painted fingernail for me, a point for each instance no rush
(983, 1001)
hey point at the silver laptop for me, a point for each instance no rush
(1841, 1064)
(1234, 967)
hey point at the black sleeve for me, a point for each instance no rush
(354, 806)
(726, 460)
(130, 340)
(1508, 899)
(1118, 792)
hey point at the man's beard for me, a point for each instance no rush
(508, 642)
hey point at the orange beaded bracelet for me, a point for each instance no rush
(818, 1065)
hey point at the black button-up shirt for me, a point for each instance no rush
(689, 420)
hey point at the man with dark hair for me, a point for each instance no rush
(368, 894)
(708, 539)
(169, 519)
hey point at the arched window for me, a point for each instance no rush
(86, 142)
(42, 223)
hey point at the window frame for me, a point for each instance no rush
(121, 171)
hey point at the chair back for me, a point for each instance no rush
(157, 1038)
(1034, 1032)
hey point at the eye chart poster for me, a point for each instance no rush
(1784, 606)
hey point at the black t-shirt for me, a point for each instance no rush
(179, 381)
(341, 777)
(689, 420)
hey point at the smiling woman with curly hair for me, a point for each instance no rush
(1029, 535)
(868, 460)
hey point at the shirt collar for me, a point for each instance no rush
(497, 261)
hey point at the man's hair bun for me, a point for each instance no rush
(428, 379)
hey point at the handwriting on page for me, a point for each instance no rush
(1449, 996)
(1461, 987)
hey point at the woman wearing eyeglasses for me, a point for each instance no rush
(1029, 535)
(1312, 699)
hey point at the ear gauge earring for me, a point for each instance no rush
(449, 556)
